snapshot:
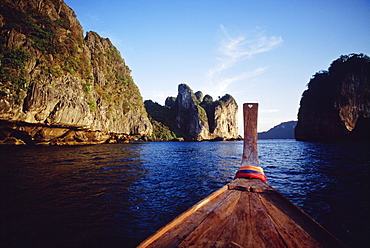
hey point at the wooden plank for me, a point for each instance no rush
(245, 213)
(211, 228)
(278, 207)
(263, 227)
(244, 230)
(292, 233)
(291, 222)
(250, 150)
(233, 237)
(178, 229)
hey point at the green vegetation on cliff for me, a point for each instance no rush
(47, 39)
(51, 75)
(12, 70)
(162, 118)
(193, 117)
(116, 88)
(58, 38)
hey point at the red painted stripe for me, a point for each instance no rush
(251, 175)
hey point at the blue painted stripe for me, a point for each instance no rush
(248, 171)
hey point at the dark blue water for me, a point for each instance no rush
(117, 195)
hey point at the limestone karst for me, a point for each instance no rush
(194, 117)
(59, 87)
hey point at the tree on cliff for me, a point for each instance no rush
(336, 105)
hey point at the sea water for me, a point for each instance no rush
(116, 195)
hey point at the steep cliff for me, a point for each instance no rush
(222, 116)
(59, 87)
(336, 105)
(194, 117)
(191, 119)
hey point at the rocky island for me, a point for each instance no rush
(194, 117)
(57, 86)
(336, 105)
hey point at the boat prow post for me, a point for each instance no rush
(250, 168)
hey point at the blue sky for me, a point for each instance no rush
(256, 50)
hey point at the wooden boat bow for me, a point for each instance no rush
(247, 212)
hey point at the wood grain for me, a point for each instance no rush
(250, 150)
(236, 216)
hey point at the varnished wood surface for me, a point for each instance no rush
(244, 213)
(250, 151)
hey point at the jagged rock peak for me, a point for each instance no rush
(170, 101)
(336, 105)
(222, 116)
(195, 117)
(56, 81)
(199, 96)
(207, 98)
(191, 119)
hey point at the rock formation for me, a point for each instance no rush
(194, 117)
(162, 119)
(58, 87)
(191, 119)
(336, 105)
(222, 116)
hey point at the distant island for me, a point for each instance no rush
(284, 130)
(193, 117)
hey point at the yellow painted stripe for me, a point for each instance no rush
(251, 167)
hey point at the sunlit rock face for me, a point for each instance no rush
(336, 105)
(201, 118)
(222, 116)
(194, 117)
(59, 87)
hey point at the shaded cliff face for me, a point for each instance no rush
(194, 117)
(191, 119)
(336, 105)
(162, 119)
(58, 87)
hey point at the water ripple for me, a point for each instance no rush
(116, 195)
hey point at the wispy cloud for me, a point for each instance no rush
(224, 82)
(234, 49)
